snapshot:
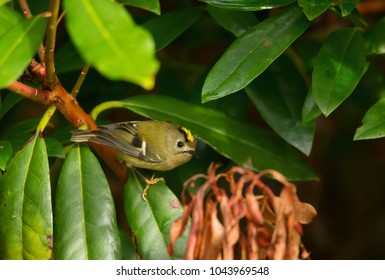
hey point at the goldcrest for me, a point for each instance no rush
(151, 144)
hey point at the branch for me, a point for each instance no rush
(50, 43)
(56, 95)
(34, 94)
(25, 8)
(71, 110)
(27, 14)
(80, 80)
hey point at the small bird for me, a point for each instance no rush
(151, 144)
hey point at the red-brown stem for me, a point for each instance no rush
(71, 110)
(37, 95)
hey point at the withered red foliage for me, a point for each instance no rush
(234, 222)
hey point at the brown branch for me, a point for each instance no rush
(54, 93)
(25, 8)
(37, 95)
(80, 80)
(71, 110)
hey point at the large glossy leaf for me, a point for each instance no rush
(6, 152)
(234, 21)
(313, 8)
(151, 220)
(169, 26)
(245, 144)
(248, 5)
(18, 45)
(2, 2)
(252, 52)
(25, 196)
(149, 5)
(279, 94)
(84, 217)
(373, 123)
(338, 68)
(8, 18)
(107, 37)
(128, 246)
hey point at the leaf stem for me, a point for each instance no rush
(46, 117)
(105, 106)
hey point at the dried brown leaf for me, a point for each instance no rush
(278, 248)
(270, 228)
(304, 212)
(254, 212)
(213, 237)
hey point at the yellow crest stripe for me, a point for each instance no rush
(189, 135)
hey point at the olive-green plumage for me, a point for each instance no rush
(149, 144)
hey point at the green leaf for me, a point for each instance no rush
(251, 53)
(54, 148)
(21, 132)
(25, 199)
(149, 5)
(128, 246)
(375, 38)
(279, 94)
(310, 110)
(2, 2)
(313, 8)
(9, 101)
(347, 6)
(18, 45)
(245, 144)
(248, 5)
(8, 18)
(151, 220)
(107, 37)
(234, 21)
(373, 123)
(167, 27)
(338, 68)
(85, 221)
(6, 152)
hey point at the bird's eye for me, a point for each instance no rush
(180, 144)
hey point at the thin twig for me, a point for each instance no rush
(27, 14)
(60, 17)
(25, 8)
(80, 79)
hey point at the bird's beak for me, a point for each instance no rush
(192, 152)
